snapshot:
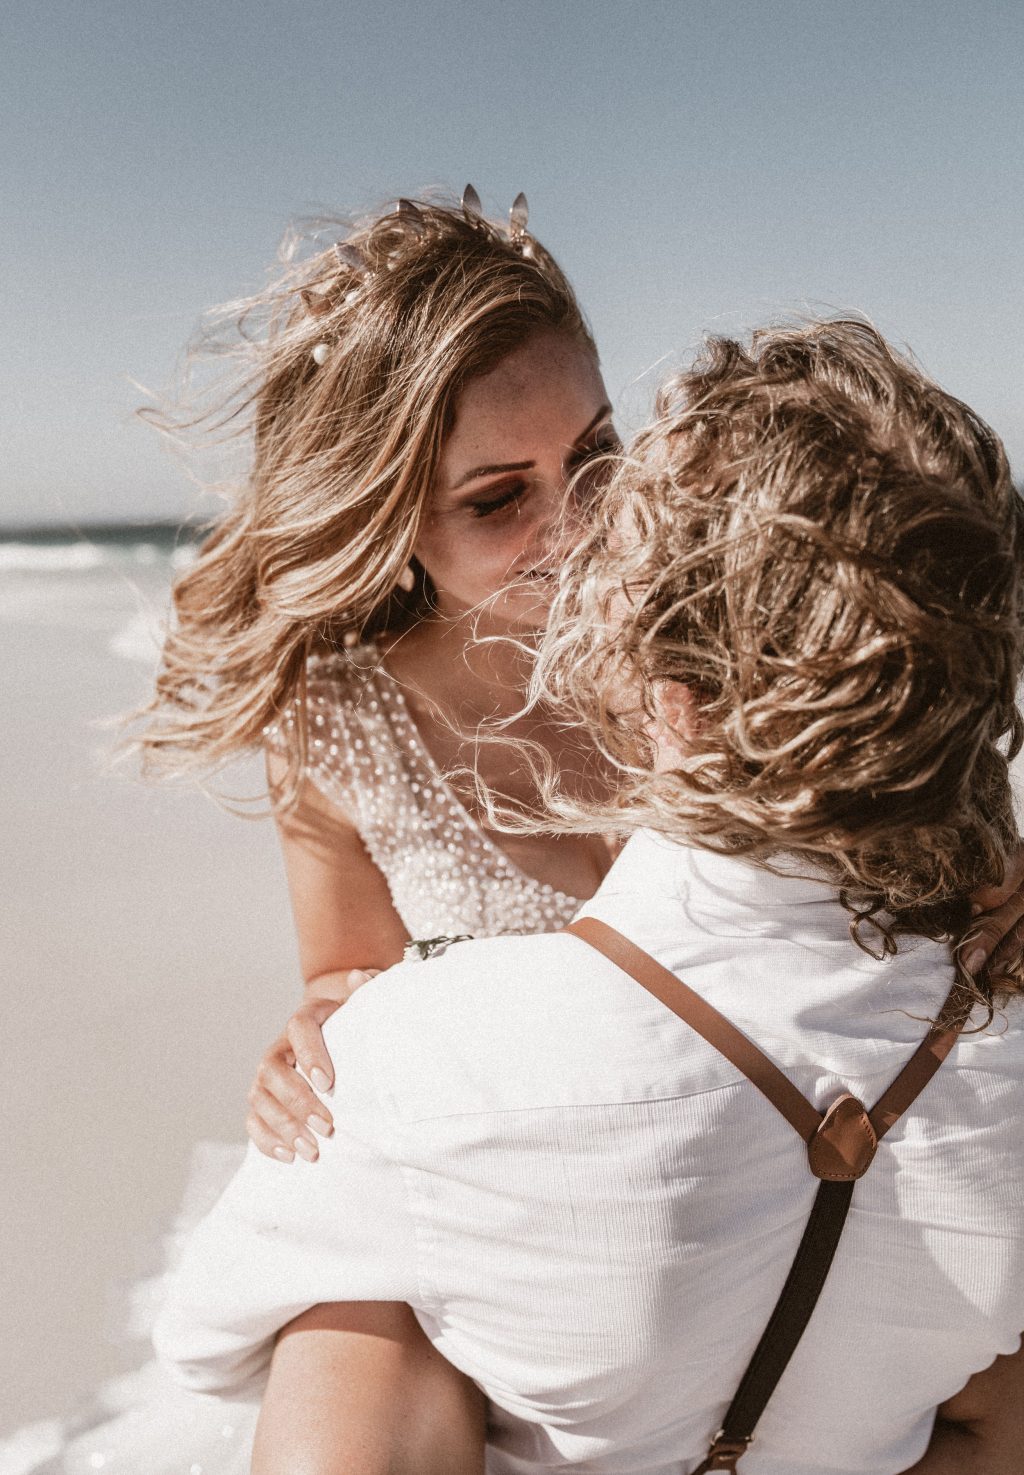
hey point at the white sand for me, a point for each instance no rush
(147, 960)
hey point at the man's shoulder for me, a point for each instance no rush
(440, 978)
(456, 975)
(487, 1025)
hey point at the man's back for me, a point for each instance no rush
(592, 1212)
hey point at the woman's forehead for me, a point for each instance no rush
(545, 394)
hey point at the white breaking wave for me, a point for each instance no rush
(50, 557)
(80, 556)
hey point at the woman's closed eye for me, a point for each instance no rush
(509, 497)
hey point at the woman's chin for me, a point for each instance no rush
(520, 609)
(529, 609)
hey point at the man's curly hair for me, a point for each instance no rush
(825, 549)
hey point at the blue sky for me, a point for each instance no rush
(694, 166)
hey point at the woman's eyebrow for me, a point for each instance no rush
(477, 471)
(490, 471)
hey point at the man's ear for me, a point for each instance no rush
(676, 723)
(676, 708)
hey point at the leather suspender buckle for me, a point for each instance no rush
(724, 1454)
(844, 1145)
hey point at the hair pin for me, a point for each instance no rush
(320, 352)
(518, 215)
(411, 215)
(347, 255)
(316, 303)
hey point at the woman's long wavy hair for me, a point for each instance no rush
(825, 549)
(347, 369)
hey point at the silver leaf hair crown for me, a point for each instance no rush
(350, 259)
(517, 216)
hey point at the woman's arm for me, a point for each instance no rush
(347, 929)
(980, 1430)
(353, 1385)
(357, 1386)
(344, 915)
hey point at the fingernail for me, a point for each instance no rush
(975, 960)
(975, 909)
(305, 1149)
(320, 1081)
(283, 1155)
(320, 1125)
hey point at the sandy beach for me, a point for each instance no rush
(148, 959)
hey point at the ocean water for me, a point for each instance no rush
(113, 580)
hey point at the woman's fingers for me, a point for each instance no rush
(276, 1132)
(304, 1035)
(994, 934)
(301, 1111)
(285, 1116)
(304, 1031)
(268, 1142)
(988, 898)
(991, 929)
(1008, 952)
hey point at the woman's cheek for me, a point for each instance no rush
(496, 563)
(484, 556)
(469, 568)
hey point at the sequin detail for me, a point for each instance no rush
(365, 754)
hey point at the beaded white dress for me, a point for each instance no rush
(448, 878)
(365, 754)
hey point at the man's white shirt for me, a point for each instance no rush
(592, 1213)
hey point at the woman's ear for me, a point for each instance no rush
(676, 723)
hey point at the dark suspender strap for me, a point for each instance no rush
(788, 1321)
(841, 1147)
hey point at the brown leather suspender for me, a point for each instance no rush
(841, 1144)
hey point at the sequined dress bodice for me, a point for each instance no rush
(365, 754)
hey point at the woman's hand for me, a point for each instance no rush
(997, 935)
(285, 1117)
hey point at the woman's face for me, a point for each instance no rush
(520, 434)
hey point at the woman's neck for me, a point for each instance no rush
(462, 662)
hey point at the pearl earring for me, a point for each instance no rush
(406, 580)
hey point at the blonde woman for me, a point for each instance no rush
(418, 398)
(424, 396)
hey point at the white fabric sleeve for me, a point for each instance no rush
(288, 1236)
